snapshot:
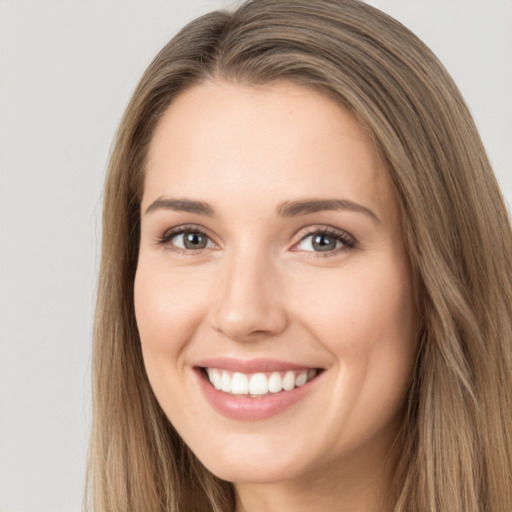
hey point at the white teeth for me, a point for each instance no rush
(239, 384)
(289, 381)
(301, 379)
(258, 384)
(215, 378)
(275, 383)
(226, 382)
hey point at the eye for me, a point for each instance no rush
(191, 240)
(187, 239)
(325, 241)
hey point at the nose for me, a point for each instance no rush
(248, 303)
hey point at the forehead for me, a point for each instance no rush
(267, 140)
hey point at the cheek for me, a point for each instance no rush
(366, 318)
(354, 309)
(367, 321)
(168, 310)
(166, 304)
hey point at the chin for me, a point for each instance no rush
(255, 460)
(259, 471)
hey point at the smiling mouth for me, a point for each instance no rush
(257, 385)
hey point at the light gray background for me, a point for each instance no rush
(67, 69)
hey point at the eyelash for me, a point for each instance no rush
(165, 239)
(347, 241)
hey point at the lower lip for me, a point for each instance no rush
(251, 409)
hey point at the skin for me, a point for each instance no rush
(261, 289)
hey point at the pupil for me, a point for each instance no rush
(194, 241)
(323, 243)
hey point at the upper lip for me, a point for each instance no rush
(251, 365)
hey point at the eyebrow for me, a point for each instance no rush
(297, 208)
(181, 205)
(285, 209)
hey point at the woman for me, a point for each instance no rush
(305, 290)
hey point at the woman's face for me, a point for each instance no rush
(272, 260)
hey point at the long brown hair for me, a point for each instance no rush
(457, 440)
